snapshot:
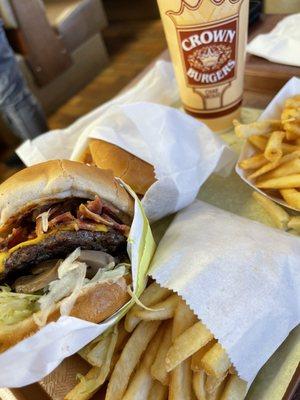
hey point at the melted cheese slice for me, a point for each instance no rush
(5, 254)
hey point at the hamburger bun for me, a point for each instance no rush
(132, 170)
(94, 304)
(59, 179)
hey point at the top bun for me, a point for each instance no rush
(59, 179)
(135, 172)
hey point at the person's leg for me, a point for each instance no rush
(18, 107)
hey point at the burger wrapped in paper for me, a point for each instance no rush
(63, 247)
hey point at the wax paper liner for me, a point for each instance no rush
(273, 111)
(35, 357)
(241, 278)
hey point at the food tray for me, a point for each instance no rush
(277, 380)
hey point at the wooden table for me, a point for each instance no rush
(263, 79)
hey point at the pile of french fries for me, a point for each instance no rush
(160, 350)
(275, 166)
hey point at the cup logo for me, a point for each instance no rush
(209, 52)
(209, 58)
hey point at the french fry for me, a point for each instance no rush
(264, 169)
(279, 216)
(253, 162)
(160, 311)
(187, 344)
(293, 127)
(158, 392)
(292, 197)
(140, 384)
(271, 166)
(285, 115)
(158, 368)
(257, 128)
(260, 142)
(95, 378)
(97, 355)
(216, 361)
(284, 182)
(86, 349)
(123, 336)
(235, 389)
(212, 383)
(197, 357)
(181, 382)
(290, 113)
(129, 358)
(184, 318)
(289, 148)
(294, 223)
(273, 151)
(292, 102)
(181, 376)
(216, 395)
(87, 386)
(199, 380)
(153, 294)
(288, 168)
(290, 135)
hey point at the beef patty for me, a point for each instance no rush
(61, 244)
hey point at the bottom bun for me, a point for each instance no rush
(95, 304)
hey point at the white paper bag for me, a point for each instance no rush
(183, 151)
(241, 278)
(273, 111)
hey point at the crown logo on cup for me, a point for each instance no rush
(209, 58)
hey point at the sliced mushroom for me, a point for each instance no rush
(95, 260)
(33, 283)
(43, 266)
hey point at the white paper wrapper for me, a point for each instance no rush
(35, 357)
(183, 151)
(281, 45)
(240, 277)
(273, 111)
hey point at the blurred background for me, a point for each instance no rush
(74, 55)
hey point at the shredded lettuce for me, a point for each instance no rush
(138, 301)
(15, 307)
(71, 279)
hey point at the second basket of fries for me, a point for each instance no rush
(270, 159)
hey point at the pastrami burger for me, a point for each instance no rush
(63, 247)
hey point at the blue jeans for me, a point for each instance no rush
(18, 107)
